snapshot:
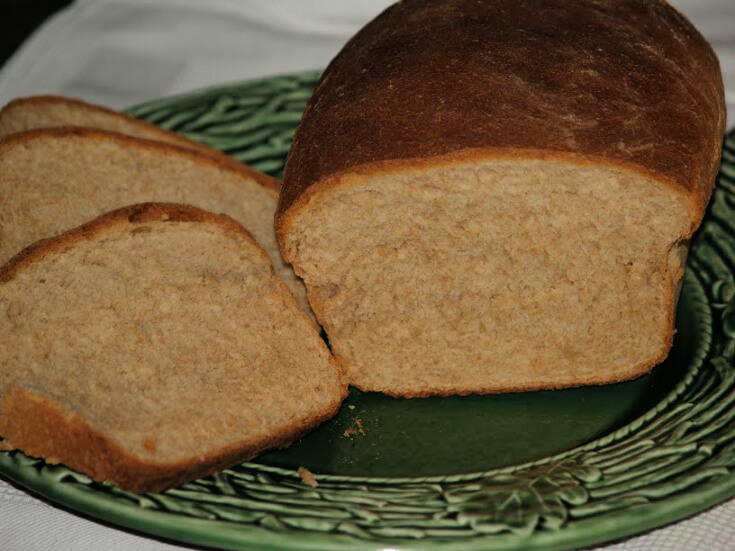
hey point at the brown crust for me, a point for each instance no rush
(628, 83)
(41, 427)
(30, 102)
(140, 213)
(166, 136)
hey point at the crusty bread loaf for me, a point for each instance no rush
(33, 112)
(52, 180)
(154, 345)
(490, 196)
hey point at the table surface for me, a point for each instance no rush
(123, 52)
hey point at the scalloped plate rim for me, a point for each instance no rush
(233, 536)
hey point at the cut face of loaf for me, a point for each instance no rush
(155, 345)
(52, 180)
(466, 277)
(508, 207)
(34, 112)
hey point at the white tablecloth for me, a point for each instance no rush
(122, 52)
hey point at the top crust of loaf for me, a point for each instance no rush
(628, 84)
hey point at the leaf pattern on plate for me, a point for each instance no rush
(253, 122)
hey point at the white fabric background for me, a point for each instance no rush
(122, 52)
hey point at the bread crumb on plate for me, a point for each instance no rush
(307, 478)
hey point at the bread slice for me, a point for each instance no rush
(509, 207)
(52, 180)
(33, 112)
(155, 345)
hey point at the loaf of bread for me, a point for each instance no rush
(54, 179)
(33, 112)
(155, 345)
(492, 196)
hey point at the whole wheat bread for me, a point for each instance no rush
(33, 112)
(55, 179)
(506, 207)
(155, 345)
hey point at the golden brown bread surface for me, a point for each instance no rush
(35, 112)
(627, 82)
(507, 207)
(155, 345)
(49, 111)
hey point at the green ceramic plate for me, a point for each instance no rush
(539, 470)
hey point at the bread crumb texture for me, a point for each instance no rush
(54, 180)
(172, 341)
(493, 276)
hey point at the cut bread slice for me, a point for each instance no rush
(462, 278)
(33, 112)
(155, 345)
(52, 180)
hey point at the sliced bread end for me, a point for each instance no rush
(155, 345)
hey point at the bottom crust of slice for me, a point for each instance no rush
(42, 427)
